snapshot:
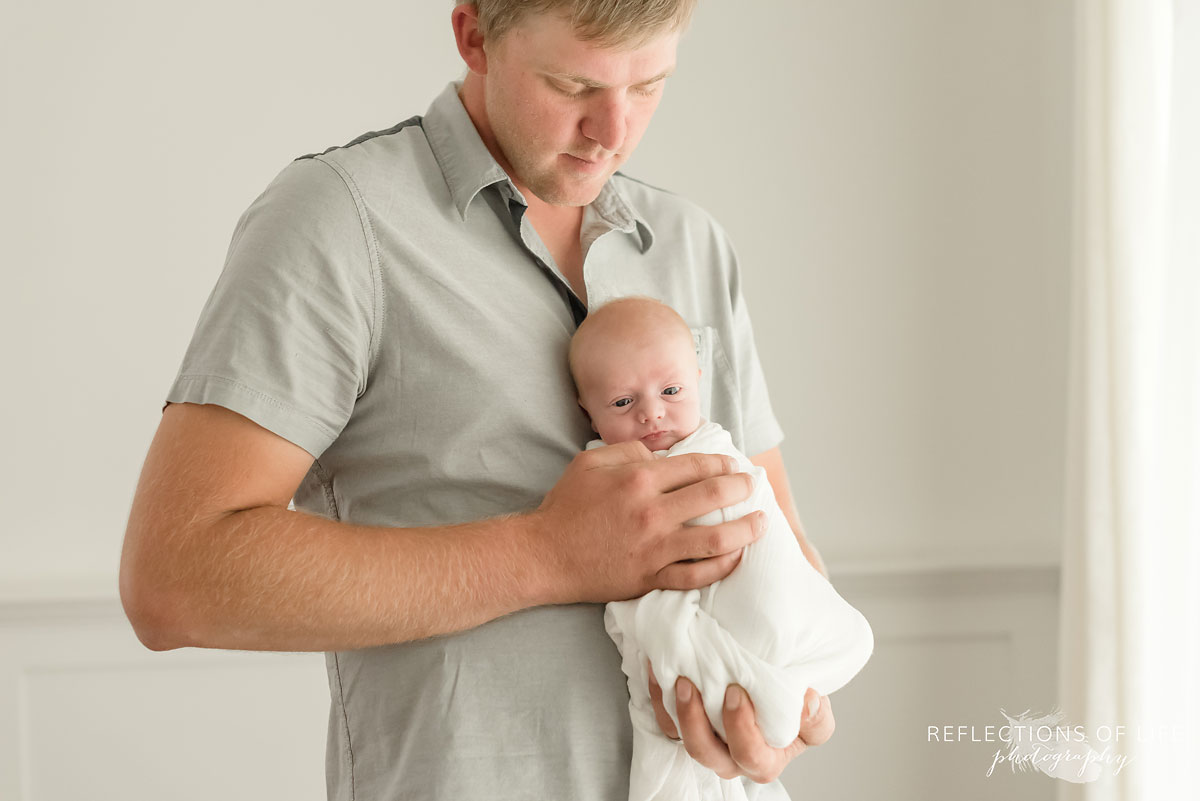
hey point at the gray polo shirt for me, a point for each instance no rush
(387, 307)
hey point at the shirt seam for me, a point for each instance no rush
(326, 481)
(337, 667)
(371, 244)
(629, 177)
(366, 137)
(262, 396)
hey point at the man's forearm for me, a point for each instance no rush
(772, 462)
(272, 579)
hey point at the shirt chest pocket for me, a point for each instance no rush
(705, 340)
(719, 398)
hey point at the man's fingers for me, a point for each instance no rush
(693, 575)
(620, 453)
(816, 728)
(705, 542)
(757, 760)
(747, 753)
(704, 496)
(660, 710)
(701, 742)
(676, 472)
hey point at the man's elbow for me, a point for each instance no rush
(146, 614)
(149, 608)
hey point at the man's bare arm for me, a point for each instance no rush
(213, 557)
(772, 462)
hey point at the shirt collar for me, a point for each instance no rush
(465, 161)
(468, 168)
(613, 208)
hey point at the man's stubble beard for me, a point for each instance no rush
(558, 189)
(551, 191)
(551, 186)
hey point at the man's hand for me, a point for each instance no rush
(612, 528)
(746, 754)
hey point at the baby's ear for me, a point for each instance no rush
(585, 414)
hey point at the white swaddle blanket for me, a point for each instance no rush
(775, 626)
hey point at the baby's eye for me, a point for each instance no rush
(623, 402)
(672, 390)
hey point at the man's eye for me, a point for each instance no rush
(567, 91)
(623, 402)
(671, 390)
(647, 91)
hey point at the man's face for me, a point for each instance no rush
(566, 114)
(645, 391)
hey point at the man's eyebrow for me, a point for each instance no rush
(592, 84)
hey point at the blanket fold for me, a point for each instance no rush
(775, 626)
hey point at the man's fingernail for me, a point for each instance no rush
(760, 522)
(731, 465)
(813, 706)
(683, 693)
(732, 698)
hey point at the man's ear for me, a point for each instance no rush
(464, 19)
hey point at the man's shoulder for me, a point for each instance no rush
(373, 143)
(389, 168)
(381, 161)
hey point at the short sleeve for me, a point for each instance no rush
(285, 338)
(760, 430)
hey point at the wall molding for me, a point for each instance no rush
(955, 641)
(91, 597)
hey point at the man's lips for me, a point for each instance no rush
(590, 165)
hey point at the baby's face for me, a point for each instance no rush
(647, 391)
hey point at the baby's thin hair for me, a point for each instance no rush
(598, 315)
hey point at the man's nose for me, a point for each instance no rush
(605, 121)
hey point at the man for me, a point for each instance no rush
(387, 344)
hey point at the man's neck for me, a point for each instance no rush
(557, 226)
(553, 222)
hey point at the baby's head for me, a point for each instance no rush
(636, 373)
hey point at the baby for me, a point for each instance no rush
(774, 626)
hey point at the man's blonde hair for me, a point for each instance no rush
(607, 23)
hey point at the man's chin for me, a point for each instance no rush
(572, 199)
(574, 193)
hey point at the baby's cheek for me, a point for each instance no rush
(613, 430)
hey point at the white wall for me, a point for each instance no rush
(896, 178)
(895, 174)
(137, 132)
